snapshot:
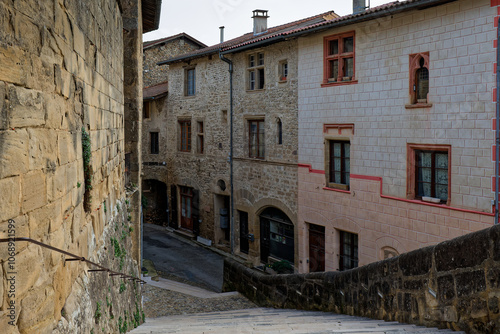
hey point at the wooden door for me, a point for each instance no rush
(187, 208)
(316, 248)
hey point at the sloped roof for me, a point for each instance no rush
(150, 44)
(306, 26)
(155, 92)
(251, 38)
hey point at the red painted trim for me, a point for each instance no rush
(380, 179)
(338, 126)
(309, 166)
(337, 190)
(352, 82)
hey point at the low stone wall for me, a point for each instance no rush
(455, 284)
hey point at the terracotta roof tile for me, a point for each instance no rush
(156, 91)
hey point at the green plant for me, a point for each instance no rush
(78, 184)
(144, 202)
(282, 267)
(98, 313)
(118, 207)
(123, 287)
(87, 168)
(119, 252)
(92, 331)
(108, 304)
(104, 203)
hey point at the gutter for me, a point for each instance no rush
(497, 128)
(230, 145)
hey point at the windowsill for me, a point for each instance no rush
(339, 83)
(255, 90)
(337, 187)
(282, 81)
(190, 96)
(418, 105)
(184, 152)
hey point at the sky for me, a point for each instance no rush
(201, 19)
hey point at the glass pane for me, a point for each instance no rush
(347, 150)
(426, 189)
(347, 179)
(348, 44)
(333, 47)
(188, 207)
(261, 59)
(422, 83)
(424, 159)
(251, 61)
(425, 175)
(334, 69)
(442, 176)
(337, 150)
(337, 177)
(337, 164)
(261, 78)
(348, 67)
(442, 192)
(441, 160)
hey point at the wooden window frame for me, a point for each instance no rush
(411, 168)
(352, 245)
(185, 135)
(154, 139)
(187, 88)
(414, 66)
(256, 71)
(259, 155)
(330, 172)
(327, 58)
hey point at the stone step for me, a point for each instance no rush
(270, 321)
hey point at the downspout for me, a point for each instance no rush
(221, 56)
(497, 127)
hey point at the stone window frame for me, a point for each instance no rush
(187, 91)
(184, 127)
(146, 109)
(415, 64)
(256, 71)
(283, 70)
(154, 142)
(411, 169)
(340, 56)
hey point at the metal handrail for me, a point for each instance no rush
(75, 258)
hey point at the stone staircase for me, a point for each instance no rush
(270, 321)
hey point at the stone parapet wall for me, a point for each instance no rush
(454, 284)
(61, 73)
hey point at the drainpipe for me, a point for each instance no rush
(497, 128)
(230, 144)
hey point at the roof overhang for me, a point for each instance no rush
(155, 92)
(151, 10)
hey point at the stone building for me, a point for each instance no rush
(70, 119)
(395, 137)
(154, 129)
(265, 142)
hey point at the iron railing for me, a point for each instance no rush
(76, 258)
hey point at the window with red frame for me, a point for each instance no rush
(339, 58)
(185, 136)
(419, 78)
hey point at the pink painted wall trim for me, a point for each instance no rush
(379, 179)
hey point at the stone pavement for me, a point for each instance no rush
(270, 321)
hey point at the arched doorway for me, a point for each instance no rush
(155, 202)
(276, 236)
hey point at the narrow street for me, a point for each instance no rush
(175, 257)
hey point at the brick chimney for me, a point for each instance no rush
(259, 21)
(358, 6)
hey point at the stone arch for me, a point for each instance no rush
(389, 243)
(265, 203)
(314, 217)
(244, 194)
(346, 224)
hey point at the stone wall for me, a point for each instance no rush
(258, 183)
(454, 284)
(62, 73)
(154, 74)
